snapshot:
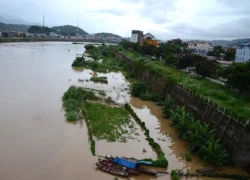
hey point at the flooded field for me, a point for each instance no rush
(36, 142)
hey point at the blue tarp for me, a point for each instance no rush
(126, 163)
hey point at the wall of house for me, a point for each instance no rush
(134, 38)
(234, 135)
(151, 41)
(242, 55)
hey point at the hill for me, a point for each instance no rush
(13, 27)
(69, 30)
(103, 34)
(230, 43)
(39, 29)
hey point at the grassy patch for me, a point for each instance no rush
(101, 79)
(107, 122)
(231, 100)
(72, 100)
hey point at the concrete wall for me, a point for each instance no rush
(234, 135)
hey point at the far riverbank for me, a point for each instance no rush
(38, 39)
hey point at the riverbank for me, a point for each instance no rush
(38, 39)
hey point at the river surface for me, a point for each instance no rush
(37, 143)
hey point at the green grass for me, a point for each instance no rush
(231, 100)
(108, 123)
(101, 79)
(72, 101)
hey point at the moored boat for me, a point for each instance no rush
(112, 170)
(118, 167)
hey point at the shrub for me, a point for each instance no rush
(71, 116)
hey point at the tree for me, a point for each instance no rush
(238, 76)
(230, 54)
(148, 49)
(205, 68)
(217, 51)
(5, 34)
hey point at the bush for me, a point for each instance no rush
(138, 88)
(205, 68)
(79, 62)
(71, 116)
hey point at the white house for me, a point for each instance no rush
(242, 53)
(200, 48)
(148, 36)
(136, 36)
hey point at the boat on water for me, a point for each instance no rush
(118, 167)
(134, 165)
(112, 170)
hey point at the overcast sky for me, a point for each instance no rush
(165, 19)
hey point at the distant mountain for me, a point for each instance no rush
(69, 30)
(103, 34)
(13, 27)
(230, 43)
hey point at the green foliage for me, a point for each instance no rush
(205, 68)
(219, 94)
(174, 175)
(102, 79)
(72, 100)
(200, 139)
(40, 29)
(68, 30)
(187, 156)
(238, 76)
(217, 51)
(188, 60)
(148, 49)
(72, 116)
(172, 60)
(107, 122)
(223, 175)
(79, 62)
(168, 106)
(139, 88)
(89, 47)
(230, 54)
(92, 147)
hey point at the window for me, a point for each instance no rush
(244, 53)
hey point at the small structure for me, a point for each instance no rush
(242, 52)
(136, 36)
(149, 38)
(200, 48)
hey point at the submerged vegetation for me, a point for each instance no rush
(73, 99)
(101, 79)
(103, 59)
(141, 90)
(108, 122)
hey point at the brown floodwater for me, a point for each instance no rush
(36, 142)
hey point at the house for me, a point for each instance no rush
(200, 48)
(136, 36)
(149, 38)
(242, 52)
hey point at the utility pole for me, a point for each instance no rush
(43, 19)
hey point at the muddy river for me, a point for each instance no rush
(37, 143)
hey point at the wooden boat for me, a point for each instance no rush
(112, 170)
(117, 166)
